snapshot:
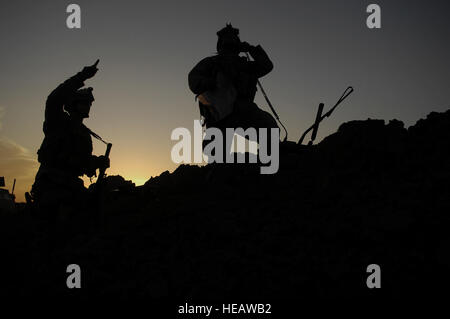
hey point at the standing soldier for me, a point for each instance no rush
(66, 152)
(225, 84)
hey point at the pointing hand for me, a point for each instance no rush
(90, 71)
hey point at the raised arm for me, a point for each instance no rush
(261, 64)
(54, 111)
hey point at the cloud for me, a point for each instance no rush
(15, 159)
(16, 162)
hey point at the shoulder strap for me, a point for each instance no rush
(95, 135)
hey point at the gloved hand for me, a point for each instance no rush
(102, 162)
(89, 71)
(244, 47)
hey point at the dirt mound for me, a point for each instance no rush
(371, 193)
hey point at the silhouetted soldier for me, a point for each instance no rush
(66, 152)
(225, 84)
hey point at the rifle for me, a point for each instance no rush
(14, 186)
(320, 117)
(98, 216)
(101, 173)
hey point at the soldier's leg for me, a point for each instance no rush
(252, 116)
(229, 122)
(247, 115)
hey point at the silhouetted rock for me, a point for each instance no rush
(116, 183)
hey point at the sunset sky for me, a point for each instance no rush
(147, 48)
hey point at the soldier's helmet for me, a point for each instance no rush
(228, 39)
(80, 96)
